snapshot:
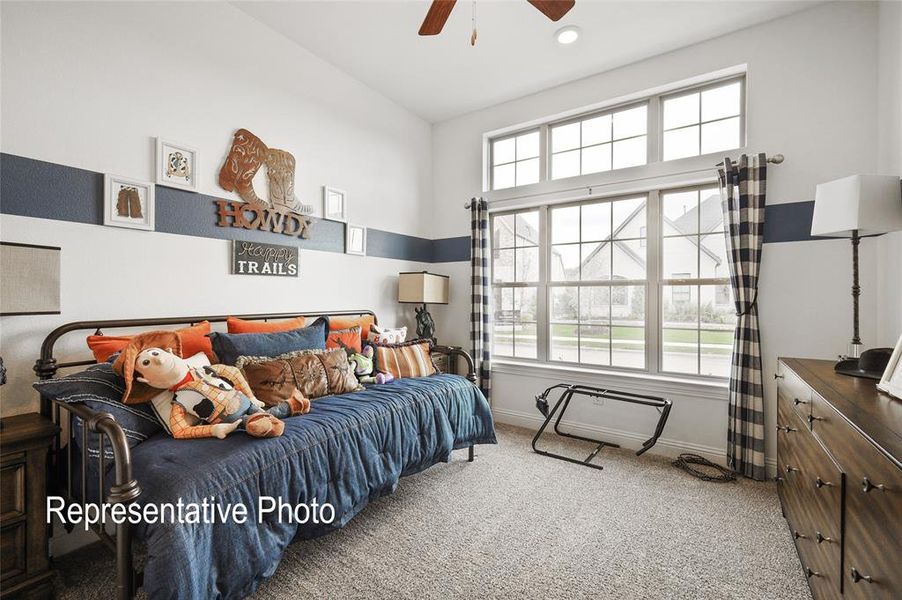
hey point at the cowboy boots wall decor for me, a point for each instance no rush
(280, 172)
(247, 155)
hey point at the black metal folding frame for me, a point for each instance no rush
(662, 405)
(125, 488)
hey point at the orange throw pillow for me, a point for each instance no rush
(194, 339)
(365, 321)
(237, 325)
(409, 359)
(345, 338)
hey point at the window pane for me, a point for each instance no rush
(594, 345)
(680, 143)
(680, 212)
(503, 151)
(629, 259)
(564, 304)
(682, 111)
(717, 322)
(527, 171)
(525, 340)
(596, 261)
(527, 225)
(502, 339)
(565, 262)
(628, 123)
(564, 342)
(680, 258)
(713, 257)
(504, 301)
(565, 137)
(503, 231)
(565, 224)
(527, 266)
(596, 221)
(594, 305)
(630, 153)
(721, 102)
(503, 266)
(565, 164)
(628, 347)
(711, 217)
(629, 216)
(596, 159)
(503, 177)
(525, 304)
(628, 305)
(720, 135)
(528, 145)
(597, 130)
(680, 328)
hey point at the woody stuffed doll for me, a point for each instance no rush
(209, 401)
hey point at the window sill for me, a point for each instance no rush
(664, 385)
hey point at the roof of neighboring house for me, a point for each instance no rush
(709, 214)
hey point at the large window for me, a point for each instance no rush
(602, 142)
(688, 122)
(583, 283)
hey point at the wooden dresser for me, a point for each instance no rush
(839, 475)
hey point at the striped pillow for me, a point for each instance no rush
(410, 359)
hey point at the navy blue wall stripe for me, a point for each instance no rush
(34, 188)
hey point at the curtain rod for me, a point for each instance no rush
(776, 159)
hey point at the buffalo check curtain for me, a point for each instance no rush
(481, 316)
(742, 188)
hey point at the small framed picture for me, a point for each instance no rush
(355, 239)
(176, 165)
(335, 204)
(891, 382)
(128, 203)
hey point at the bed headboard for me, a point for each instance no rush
(46, 366)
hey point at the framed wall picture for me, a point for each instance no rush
(335, 204)
(355, 239)
(891, 382)
(176, 165)
(128, 203)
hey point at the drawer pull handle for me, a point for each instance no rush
(819, 483)
(812, 419)
(867, 486)
(822, 538)
(778, 479)
(778, 376)
(786, 428)
(798, 535)
(797, 402)
(790, 469)
(856, 576)
(809, 573)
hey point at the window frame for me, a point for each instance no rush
(698, 89)
(491, 156)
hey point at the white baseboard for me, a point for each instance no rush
(668, 447)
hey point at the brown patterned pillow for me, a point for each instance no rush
(409, 359)
(313, 374)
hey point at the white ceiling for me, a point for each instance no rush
(442, 76)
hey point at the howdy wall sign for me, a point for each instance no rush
(283, 212)
(252, 258)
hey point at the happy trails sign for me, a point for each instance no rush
(254, 258)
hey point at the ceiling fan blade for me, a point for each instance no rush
(436, 17)
(553, 9)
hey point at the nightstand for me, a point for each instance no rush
(443, 361)
(24, 563)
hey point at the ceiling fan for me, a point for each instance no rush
(440, 10)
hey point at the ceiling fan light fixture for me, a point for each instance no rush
(567, 35)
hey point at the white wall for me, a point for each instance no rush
(90, 84)
(812, 95)
(889, 313)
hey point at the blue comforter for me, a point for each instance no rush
(347, 451)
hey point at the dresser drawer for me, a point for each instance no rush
(12, 550)
(12, 491)
(794, 392)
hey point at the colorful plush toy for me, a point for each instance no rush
(364, 367)
(211, 401)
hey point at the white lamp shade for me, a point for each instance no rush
(423, 288)
(871, 204)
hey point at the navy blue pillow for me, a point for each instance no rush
(229, 346)
(100, 388)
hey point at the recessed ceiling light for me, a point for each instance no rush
(567, 35)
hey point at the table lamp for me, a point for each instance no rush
(422, 287)
(855, 207)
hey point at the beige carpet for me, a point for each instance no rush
(514, 524)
